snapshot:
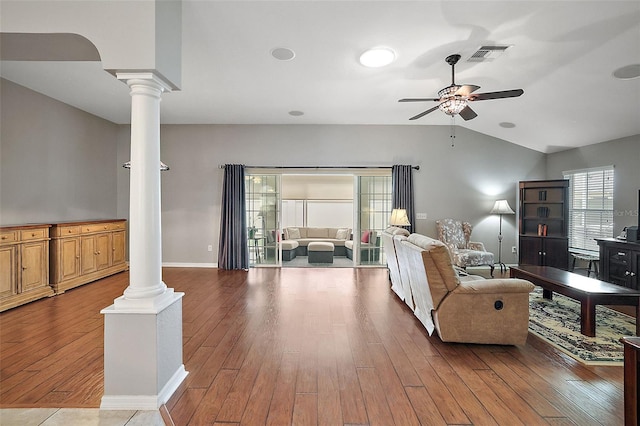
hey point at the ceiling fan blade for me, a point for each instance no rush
(466, 90)
(496, 95)
(418, 99)
(422, 114)
(468, 114)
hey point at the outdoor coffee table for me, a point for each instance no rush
(588, 291)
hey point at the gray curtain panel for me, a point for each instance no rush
(233, 251)
(402, 191)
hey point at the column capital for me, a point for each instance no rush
(146, 78)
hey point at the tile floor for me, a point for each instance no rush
(78, 417)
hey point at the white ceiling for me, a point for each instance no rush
(562, 54)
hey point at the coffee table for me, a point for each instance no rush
(588, 291)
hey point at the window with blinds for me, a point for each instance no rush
(590, 206)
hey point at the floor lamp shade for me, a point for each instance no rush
(399, 218)
(501, 207)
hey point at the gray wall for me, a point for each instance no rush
(460, 182)
(624, 155)
(57, 163)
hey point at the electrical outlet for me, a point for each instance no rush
(209, 247)
(514, 249)
(421, 216)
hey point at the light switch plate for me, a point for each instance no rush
(421, 216)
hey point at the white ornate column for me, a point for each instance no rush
(143, 328)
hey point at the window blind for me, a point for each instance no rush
(590, 206)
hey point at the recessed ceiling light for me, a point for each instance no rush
(377, 57)
(283, 54)
(296, 113)
(627, 72)
(507, 125)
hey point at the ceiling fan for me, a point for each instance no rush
(454, 99)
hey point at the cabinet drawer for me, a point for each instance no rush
(95, 227)
(65, 231)
(8, 237)
(33, 234)
(116, 226)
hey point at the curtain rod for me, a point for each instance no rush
(320, 167)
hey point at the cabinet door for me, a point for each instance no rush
(34, 265)
(555, 253)
(103, 251)
(69, 258)
(530, 250)
(88, 261)
(118, 241)
(8, 271)
(619, 265)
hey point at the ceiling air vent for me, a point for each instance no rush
(487, 53)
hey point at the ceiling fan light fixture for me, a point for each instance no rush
(377, 57)
(453, 105)
(450, 103)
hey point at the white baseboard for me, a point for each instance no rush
(189, 265)
(144, 402)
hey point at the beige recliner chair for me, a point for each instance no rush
(464, 309)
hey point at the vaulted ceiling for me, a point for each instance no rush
(561, 53)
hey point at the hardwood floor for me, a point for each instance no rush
(303, 346)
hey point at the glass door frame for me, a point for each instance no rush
(379, 223)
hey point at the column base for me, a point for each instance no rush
(142, 353)
(153, 304)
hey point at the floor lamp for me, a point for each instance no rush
(501, 207)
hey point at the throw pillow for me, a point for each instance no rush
(365, 237)
(294, 233)
(342, 234)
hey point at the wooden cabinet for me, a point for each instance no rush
(620, 262)
(543, 223)
(82, 252)
(24, 265)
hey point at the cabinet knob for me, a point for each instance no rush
(620, 253)
(627, 273)
(78, 257)
(539, 253)
(24, 267)
(633, 274)
(69, 231)
(33, 234)
(4, 237)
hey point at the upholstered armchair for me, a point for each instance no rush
(467, 309)
(456, 235)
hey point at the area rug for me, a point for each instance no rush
(557, 322)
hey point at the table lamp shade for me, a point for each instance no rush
(399, 218)
(501, 207)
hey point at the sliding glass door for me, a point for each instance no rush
(263, 218)
(374, 202)
(266, 211)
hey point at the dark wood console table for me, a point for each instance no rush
(589, 291)
(631, 359)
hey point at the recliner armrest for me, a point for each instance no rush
(496, 285)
